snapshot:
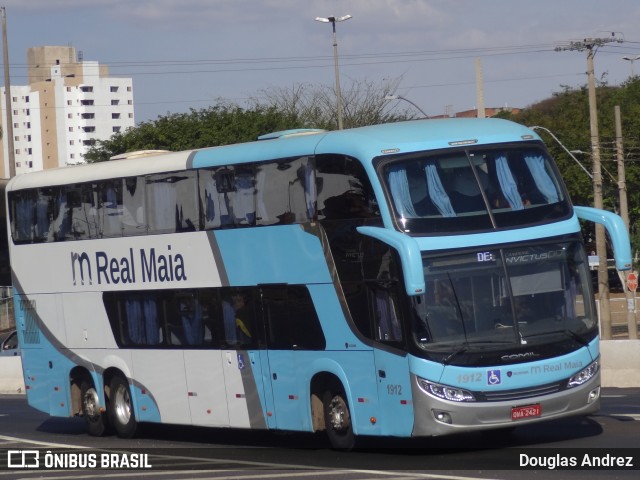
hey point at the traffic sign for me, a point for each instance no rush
(632, 281)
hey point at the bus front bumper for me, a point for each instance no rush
(434, 416)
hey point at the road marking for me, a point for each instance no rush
(635, 416)
(44, 444)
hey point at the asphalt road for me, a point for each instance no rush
(189, 452)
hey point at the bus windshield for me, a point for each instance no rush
(478, 189)
(529, 295)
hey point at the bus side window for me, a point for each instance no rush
(346, 190)
(142, 319)
(22, 216)
(61, 215)
(387, 323)
(190, 317)
(84, 218)
(356, 296)
(110, 208)
(172, 202)
(292, 321)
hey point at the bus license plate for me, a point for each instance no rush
(528, 411)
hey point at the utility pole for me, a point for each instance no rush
(624, 213)
(591, 45)
(479, 90)
(8, 134)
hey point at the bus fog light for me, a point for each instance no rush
(442, 417)
(593, 395)
(583, 376)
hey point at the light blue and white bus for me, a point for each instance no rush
(411, 279)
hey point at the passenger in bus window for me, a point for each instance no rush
(238, 319)
(191, 318)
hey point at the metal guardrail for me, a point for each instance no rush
(7, 320)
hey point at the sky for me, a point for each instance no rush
(189, 54)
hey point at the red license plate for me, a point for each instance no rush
(528, 411)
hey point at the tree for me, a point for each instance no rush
(274, 109)
(566, 114)
(315, 105)
(221, 124)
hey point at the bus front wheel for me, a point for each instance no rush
(121, 410)
(338, 421)
(97, 421)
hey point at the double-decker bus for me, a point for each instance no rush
(410, 279)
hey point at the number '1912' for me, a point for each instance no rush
(394, 389)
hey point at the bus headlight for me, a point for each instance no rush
(584, 375)
(445, 392)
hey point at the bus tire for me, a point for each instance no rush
(97, 421)
(337, 419)
(121, 411)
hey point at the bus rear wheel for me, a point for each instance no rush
(121, 411)
(338, 421)
(97, 420)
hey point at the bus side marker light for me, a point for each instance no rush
(362, 400)
(269, 414)
(373, 420)
(56, 389)
(144, 408)
(293, 397)
(208, 411)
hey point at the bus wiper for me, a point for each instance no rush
(566, 332)
(461, 349)
(573, 335)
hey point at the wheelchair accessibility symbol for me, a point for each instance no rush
(493, 377)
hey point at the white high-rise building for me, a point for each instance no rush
(67, 105)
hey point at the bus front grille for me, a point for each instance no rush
(520, 393)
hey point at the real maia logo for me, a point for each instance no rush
(145, 265)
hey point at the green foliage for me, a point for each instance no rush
(566, 114)
(214, 126)
(304, 106)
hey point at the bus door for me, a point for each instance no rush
(280, 324)
(293, 334)
(242, 361)
(395, 416)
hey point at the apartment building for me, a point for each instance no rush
(67, 104)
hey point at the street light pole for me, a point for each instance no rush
(400, 97)
(333, 21)
(631, 59)
(570, 152)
